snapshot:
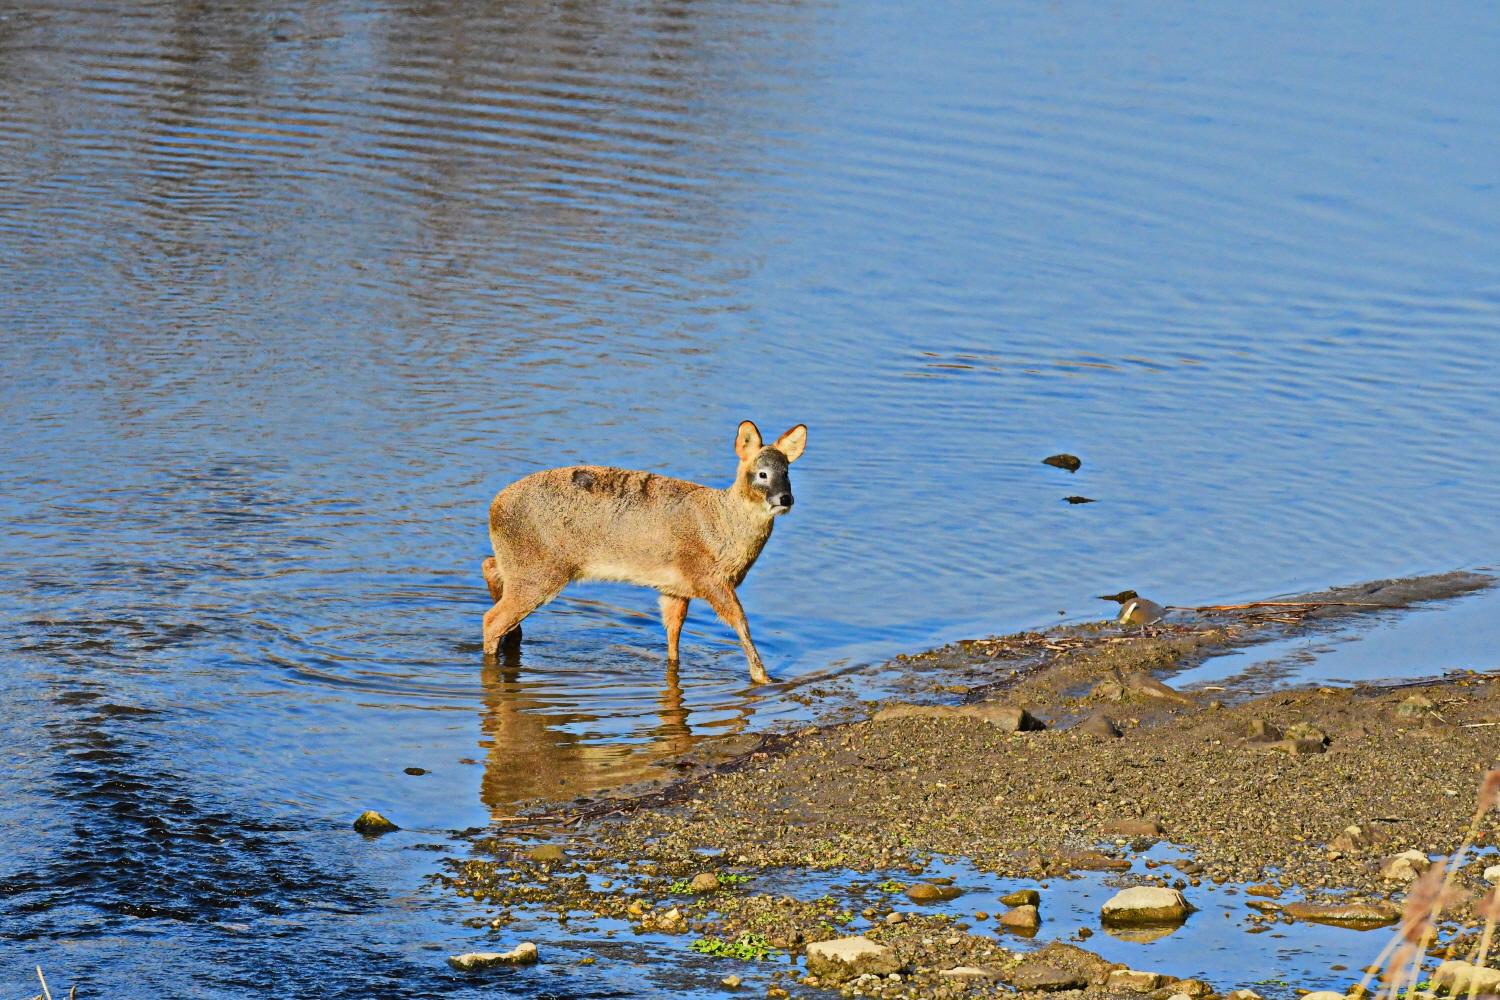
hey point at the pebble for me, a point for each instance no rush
(546, 852)
(1022, 897)
(730, 981)
(1492, 873)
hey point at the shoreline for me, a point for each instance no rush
(1305, 791)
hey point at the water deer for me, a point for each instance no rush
(686, 541)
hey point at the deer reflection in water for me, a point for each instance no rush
(537, 745)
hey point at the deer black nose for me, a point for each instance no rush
(784, 500)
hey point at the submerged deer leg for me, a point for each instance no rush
(727, 604)
(673, 613)
(522, 596)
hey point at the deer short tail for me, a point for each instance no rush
(493, 579)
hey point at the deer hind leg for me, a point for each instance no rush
(727, 604)
(491, 570)
(673, 613)
(522, 595)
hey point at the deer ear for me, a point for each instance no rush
(747, 441)
(793, 442)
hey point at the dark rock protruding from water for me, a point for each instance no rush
(1069, 463)
(371, 823)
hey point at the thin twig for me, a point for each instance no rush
(45, 992)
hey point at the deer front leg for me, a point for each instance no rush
(673, 613)
(727, 604)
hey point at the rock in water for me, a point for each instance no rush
(704, 882)
(1323, 995)
(547, 852)
(1458, 976)
(522, 954)
(1066, 462)
(1357, 915)
(970, 974)
(926, 892)
(730, 981)
(1022, 897)
(1022, 918)
(1146, 905)
(1192, 987)
(1492, 873)
(845, 958)
(371, 822)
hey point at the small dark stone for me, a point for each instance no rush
(416, 770)
(1100, 724)
(1067, 462)
(1076, 500)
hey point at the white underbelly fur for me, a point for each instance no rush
(659, 577)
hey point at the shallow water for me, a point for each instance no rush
(292, 290)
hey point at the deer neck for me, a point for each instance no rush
(749, 525)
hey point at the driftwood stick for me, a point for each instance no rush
(45, 992)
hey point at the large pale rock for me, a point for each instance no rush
(1492, 873)
(522, 954)
(970, 974)
(1457, 976)
(1006, 718)
(1323, 995)
(1133, 981)
(1145, 904)
(546, 852)
(1192, 987)
(845, 958)
(1404, 867)
(1022, 897)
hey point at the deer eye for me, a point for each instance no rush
(761, 475)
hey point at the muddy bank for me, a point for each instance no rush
(1308, 793)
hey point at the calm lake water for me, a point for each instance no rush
(291, 290)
